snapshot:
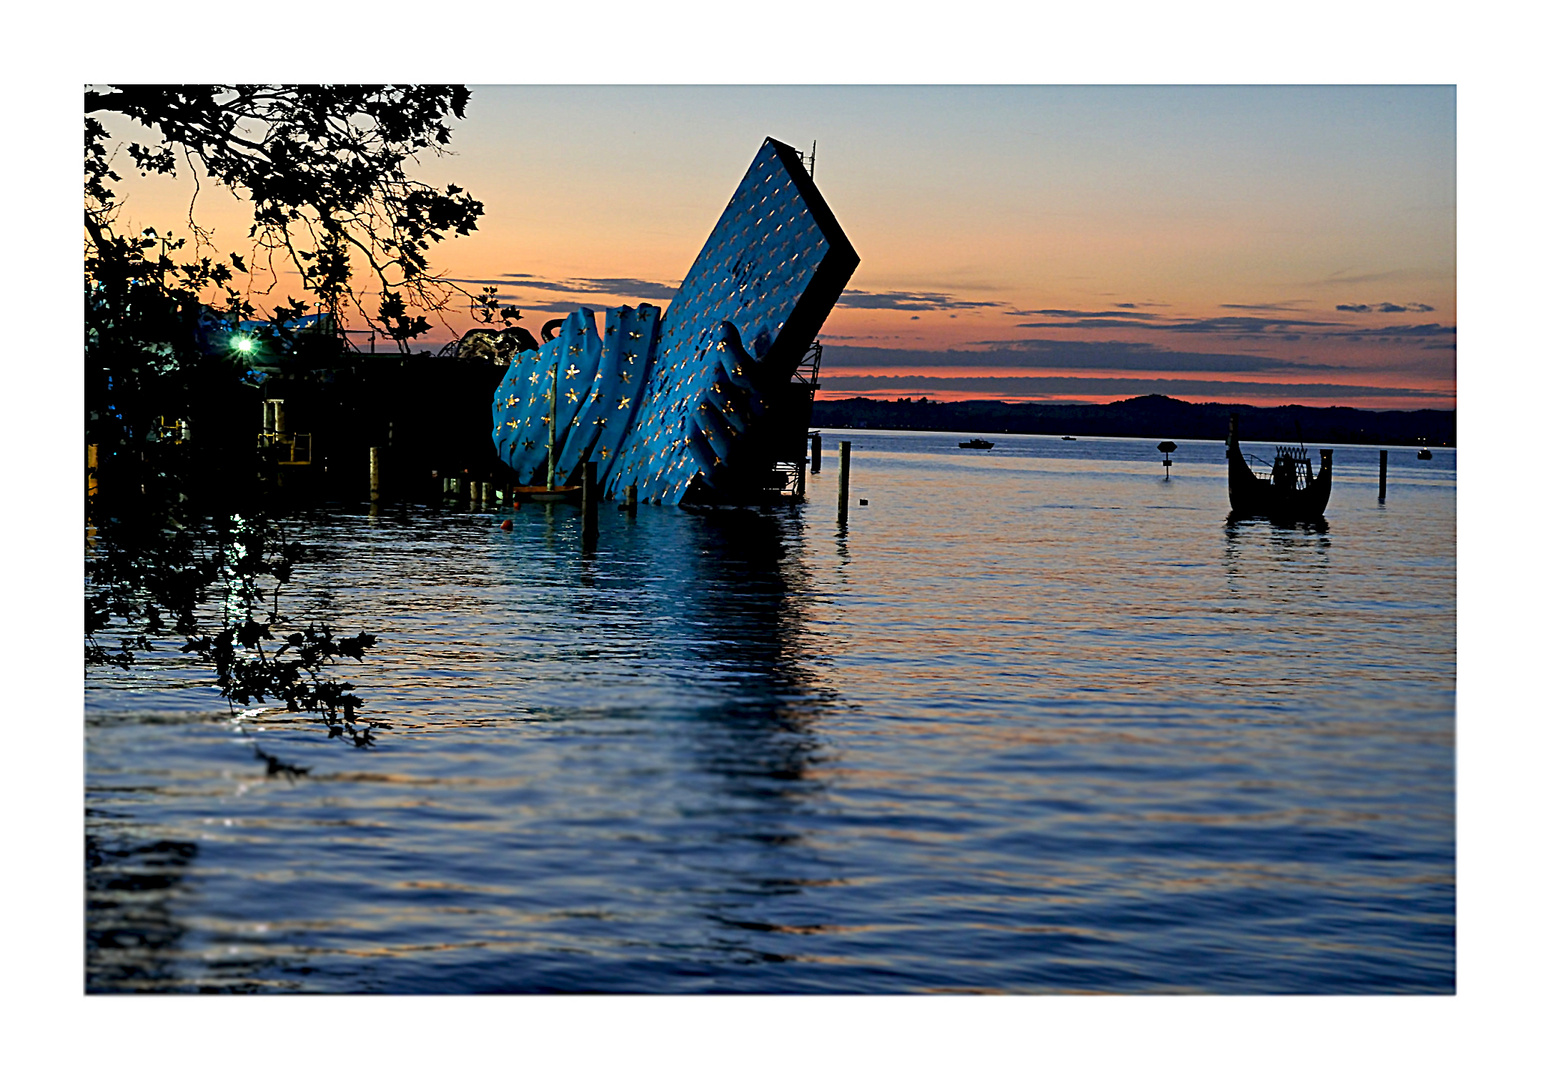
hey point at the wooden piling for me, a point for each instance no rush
(590, 501)
(630, 505)
(818, 451)
(374, 474)
(845, 478)
(1383, 474)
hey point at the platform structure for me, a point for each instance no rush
(709, 401)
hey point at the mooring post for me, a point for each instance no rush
(1383, 475)
(630, 505)
(590, 501)
(845, 478)
(374, 474)
(818, 451)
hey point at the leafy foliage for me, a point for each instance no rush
(487, 308)
(324, 168)
(180, 539)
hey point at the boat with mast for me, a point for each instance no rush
(1292, 492)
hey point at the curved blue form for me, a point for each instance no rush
(688, 405)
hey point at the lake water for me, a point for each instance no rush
(1038, 720)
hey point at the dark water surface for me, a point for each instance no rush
(1037, 721)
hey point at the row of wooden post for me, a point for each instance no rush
(815, 456)
(481, 492)
(477, 492)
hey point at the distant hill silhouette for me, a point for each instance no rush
(1153, 416)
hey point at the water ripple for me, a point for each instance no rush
(1037, 722)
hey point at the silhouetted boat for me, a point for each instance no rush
(1425, 454)
(536, 493)
(975, 444)
(1067, 438)
(1291, 493)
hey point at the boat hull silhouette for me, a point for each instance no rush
(1291, 493)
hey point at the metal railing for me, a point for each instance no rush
(288, 448)
(808, 367)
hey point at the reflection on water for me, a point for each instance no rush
(131, 934)
(1298, 553)
(760, 746)
(1059, 727)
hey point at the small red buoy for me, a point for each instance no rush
(508, 525)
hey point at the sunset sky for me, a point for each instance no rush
(1253, 244)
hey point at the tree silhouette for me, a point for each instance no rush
(325, 171)
(180, 538)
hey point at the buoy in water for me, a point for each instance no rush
(508, 525)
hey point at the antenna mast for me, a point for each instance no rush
(807, 159)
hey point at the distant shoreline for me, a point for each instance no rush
(1153, 416)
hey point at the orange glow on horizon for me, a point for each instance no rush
(1379, 404)
(1150, 229)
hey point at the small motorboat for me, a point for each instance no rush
(1067, 438)
(537, 493)
(975, 444)
(1425, 454)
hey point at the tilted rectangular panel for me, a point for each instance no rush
(683, 402)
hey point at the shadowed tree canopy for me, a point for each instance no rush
(325, 171)
(181, 542)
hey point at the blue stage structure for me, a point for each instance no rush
(698, 404)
